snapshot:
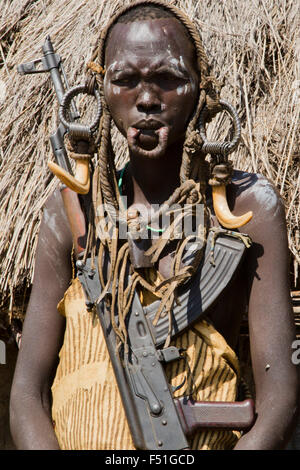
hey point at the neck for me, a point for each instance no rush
(154, 180)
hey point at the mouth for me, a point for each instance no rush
(147, 133)
(148, 125)
(151, 143)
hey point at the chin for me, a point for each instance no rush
(150, 154)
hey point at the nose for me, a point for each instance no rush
(148, 101)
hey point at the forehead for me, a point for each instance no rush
(146, 38)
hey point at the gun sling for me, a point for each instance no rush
(155, 419)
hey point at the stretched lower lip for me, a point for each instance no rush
(146, 130)
(136, 132)
(151, 140)
(148, 138)
(145, 137)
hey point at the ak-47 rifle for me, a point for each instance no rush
(52, 63)
(156, 420)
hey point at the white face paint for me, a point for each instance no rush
(180, 67)
(116, 89)
(146, 96)
(112, 66)
(175, 62)
(115, 65)
(180, 90)
(182, 63)
(183, 89)
(143, 31)
(192, 80)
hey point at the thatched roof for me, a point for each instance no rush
(252, 46)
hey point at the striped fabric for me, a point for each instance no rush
(87, 410)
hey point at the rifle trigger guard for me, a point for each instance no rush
(221, 150)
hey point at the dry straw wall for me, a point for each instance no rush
(252, 45)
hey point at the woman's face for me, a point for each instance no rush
(151, 82)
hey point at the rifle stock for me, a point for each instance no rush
(75, 217)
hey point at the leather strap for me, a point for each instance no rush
(195, 296)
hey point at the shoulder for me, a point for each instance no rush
(54, 225)
(255, 192)
(53, 206)
(258, 189)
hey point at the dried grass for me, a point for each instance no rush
(253, 46)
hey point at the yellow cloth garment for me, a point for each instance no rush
(87, 410)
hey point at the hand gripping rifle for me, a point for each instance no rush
(156, 420)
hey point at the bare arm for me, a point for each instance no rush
(271, 324)
(30, 406)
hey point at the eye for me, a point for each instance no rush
(168, 77)
(169, 80)
(125, 81)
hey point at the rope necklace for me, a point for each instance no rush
(120, 183)
(107, 191)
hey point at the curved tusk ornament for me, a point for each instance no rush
(222, 211)
(80, 182)
(220, 150)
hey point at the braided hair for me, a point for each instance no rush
(122, 279)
